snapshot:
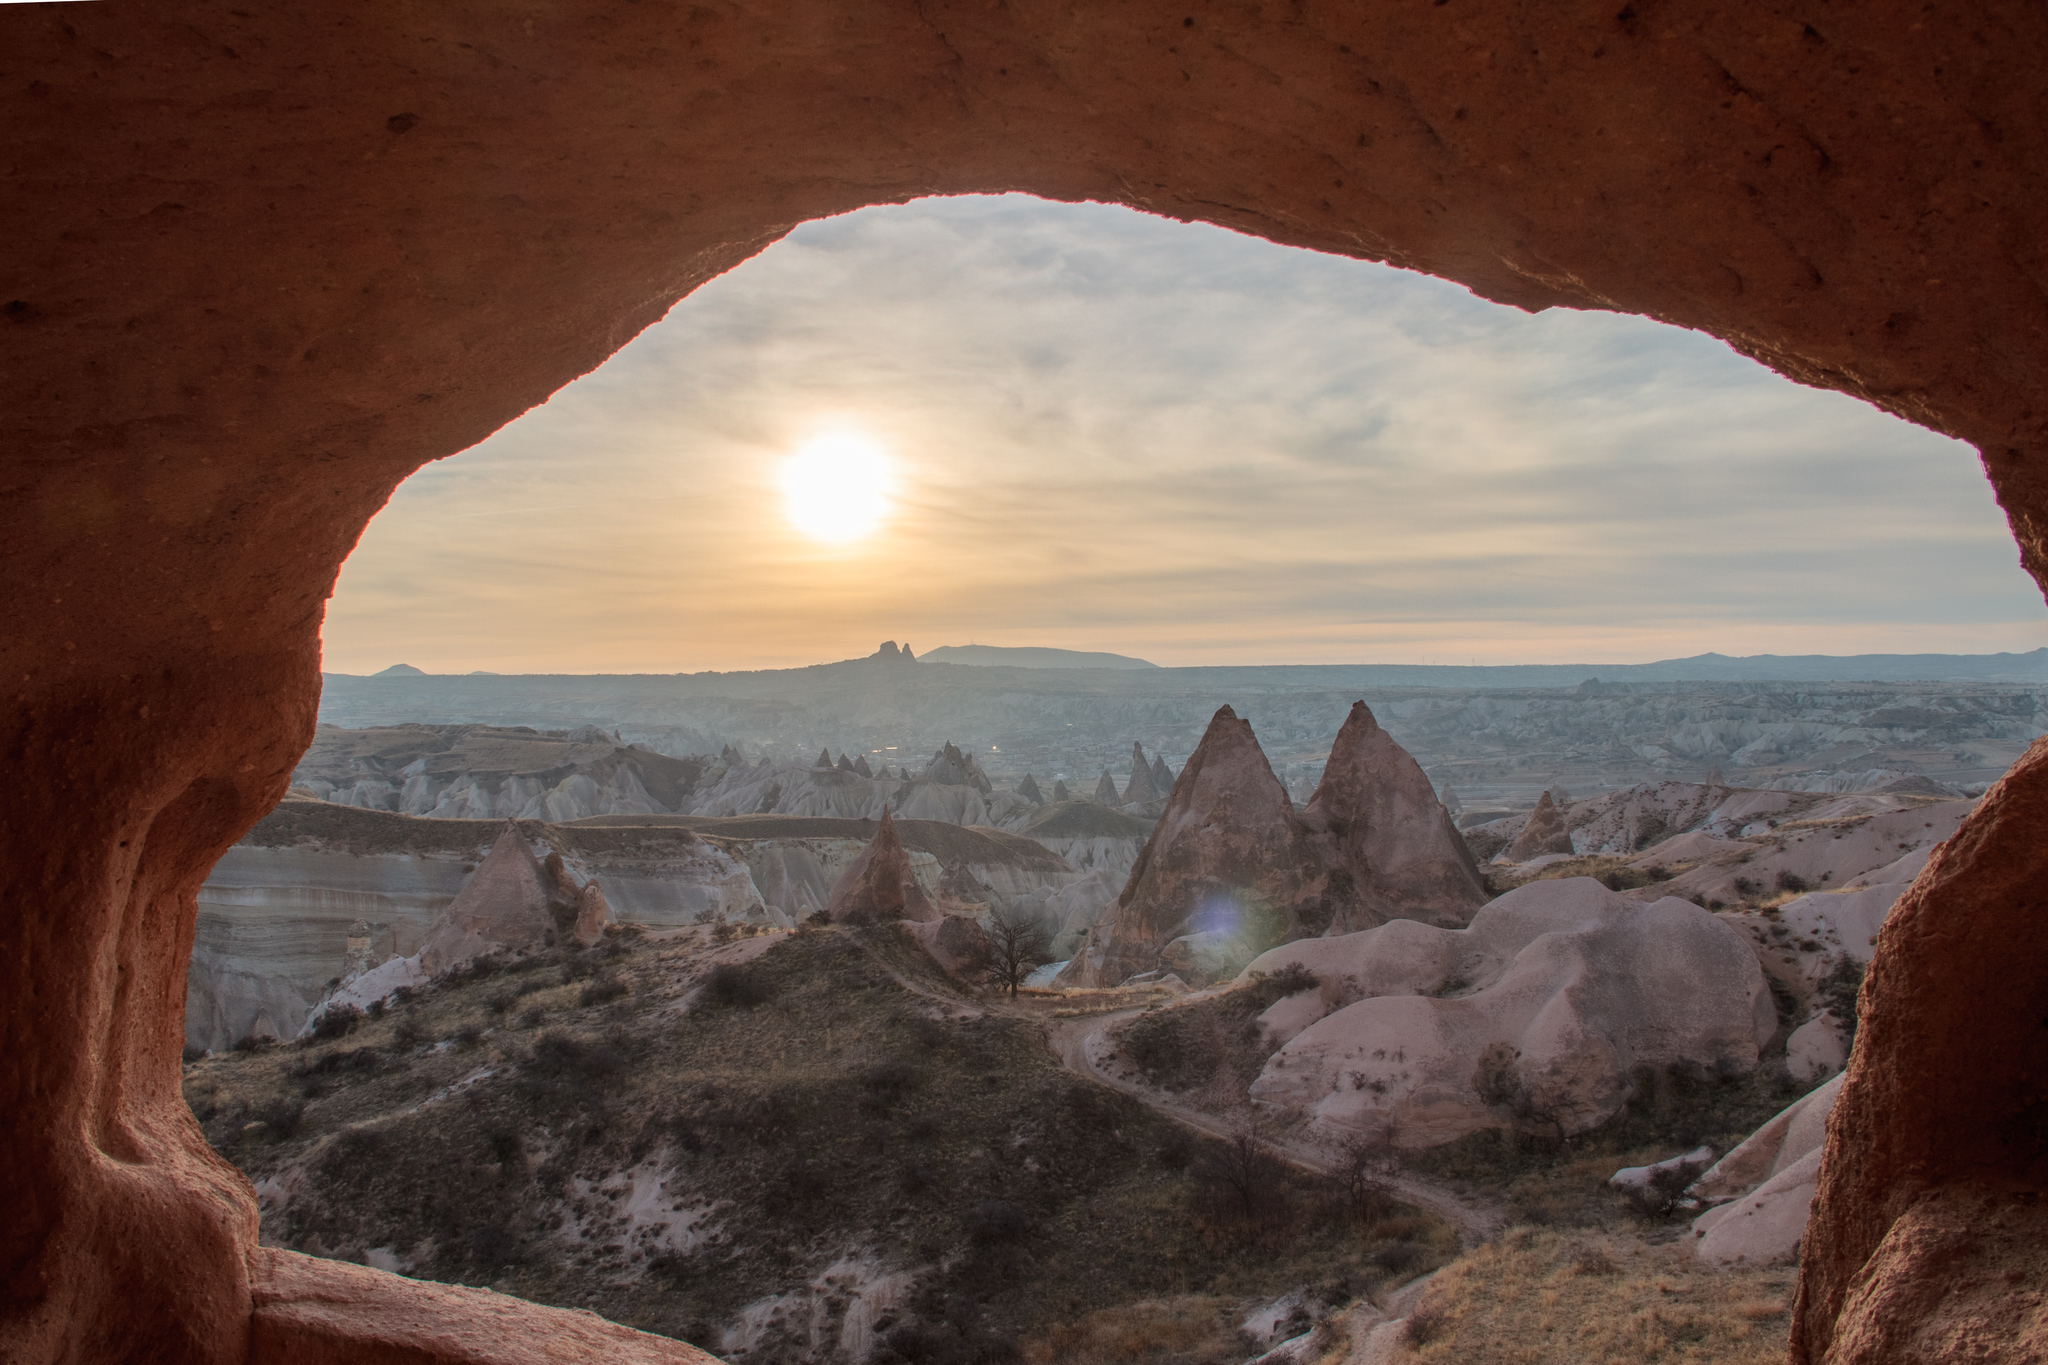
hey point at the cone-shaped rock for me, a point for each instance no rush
(1028, 789)
(1060, 792)
(1227, 851)
(845, 764)
(1139, 788)
(1162, 777)
(879, 885)
(1545, 833)
(958, 884)
(824, 759)
(861, 768)
(1392, 850)
(1105, 791)
(503, 907)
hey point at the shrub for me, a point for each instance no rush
(997, 1222)
(732, 986)
(193, 1054)
(1423, 1326)
(282, 1116)
(499, 1001)
(469, 1035)
(338, 1022)
(602, 990)
(1839, 990)
(1788, 880)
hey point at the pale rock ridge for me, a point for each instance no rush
(1533, 1018)
(1763, 1189)
(880, 885)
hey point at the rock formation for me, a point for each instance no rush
(1378, 822)
(960, 886)
(1763, 1189)
(1232, 864)
(861, 768)
(1545, 833)
(958, 943)
(592, 914)
(1106, 793)
(1162, 778)
(824, 759)
(1028, 789)
(1140, 788)
(845, 764)
(1060, 792)
(880, 885)
(164, 648)
(503, 908)
(1533, 1018)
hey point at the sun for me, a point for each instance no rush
(835, 487)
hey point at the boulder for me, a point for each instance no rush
(1534, 1018)
(880, 884)
(1544, 833)
(1230, 856)
(505, 906)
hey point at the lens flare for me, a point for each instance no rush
(835, 487)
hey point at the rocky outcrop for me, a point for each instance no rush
(880, 886)
(504, 908)
(1535, 1018)
(1060, 794)
(961, 887)
(1762, 1190)
(1106, 793)
(958, 943)
(1140, 788)
(1162, 778)
(1544, 833)
(861, 768)
(592, 915)
(1028, 789)
(164, 649)
(1232, 866)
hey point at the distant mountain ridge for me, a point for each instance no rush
(1008, 656)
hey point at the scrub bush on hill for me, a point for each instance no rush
(1180, 1047)
(831, 1116)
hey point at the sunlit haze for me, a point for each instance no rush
(1010, 422)
(836, 487)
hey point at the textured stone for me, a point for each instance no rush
(880, 885)
(223, 351)
(1545, 833)
(1231, 866)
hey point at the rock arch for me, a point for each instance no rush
(261, 266)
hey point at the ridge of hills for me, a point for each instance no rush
(1016, 656)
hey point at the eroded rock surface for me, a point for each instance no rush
(880, 885)
(1533, 1018)
(1232, 863)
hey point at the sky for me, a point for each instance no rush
(1082, 427)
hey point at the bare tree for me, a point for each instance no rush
(1018, 941)
(1245, 1170)
(1366, 1167)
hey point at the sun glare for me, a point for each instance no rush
(835, 488)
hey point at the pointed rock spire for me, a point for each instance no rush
(879, 885)
(824, 759)
(861, 768)
(1139, 788)
(503, 907)
(1544, 833)
(1162, 777)
(1106, 792)
(1028, 789)
(1381, 825)
(1060, 792)
(845, 764)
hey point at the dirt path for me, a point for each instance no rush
(1077, 1044)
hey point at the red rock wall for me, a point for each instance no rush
(262, 263)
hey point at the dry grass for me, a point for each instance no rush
(821, 1112)
(1545, 1298)
(1191, 1329)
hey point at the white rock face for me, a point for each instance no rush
(1790, 1134)
(792, 789)
(1816, 1049)
(1532, 1017)
(1763, 1190)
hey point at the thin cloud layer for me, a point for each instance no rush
(1118, 432)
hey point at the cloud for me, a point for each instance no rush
(1120, 432)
